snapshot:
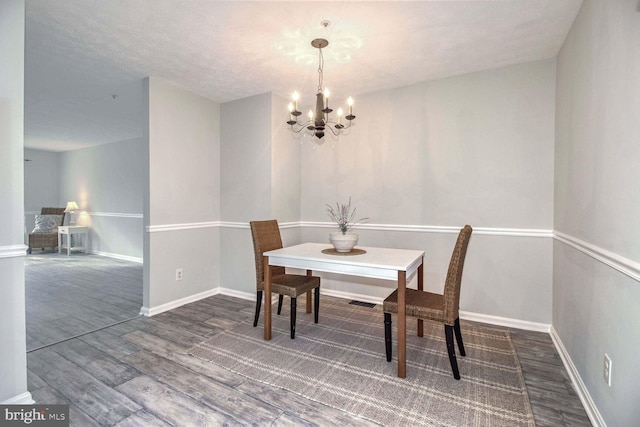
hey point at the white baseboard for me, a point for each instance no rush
(579, 386)
(21, 399)
(116, 256)
(466, 315)
(250, 296)
(351, 296)
(13, 251)
(146, 311)
(505, 321)
(152, 311)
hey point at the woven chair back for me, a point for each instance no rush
(454, 276)
(54, 211)
(266, 237)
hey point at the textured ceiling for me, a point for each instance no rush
(79, 53)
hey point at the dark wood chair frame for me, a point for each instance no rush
(266, 237)
(435, 307)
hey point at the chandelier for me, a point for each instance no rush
(319, 120)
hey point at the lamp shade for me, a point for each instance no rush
(71, 206)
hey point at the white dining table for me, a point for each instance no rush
(379, 263)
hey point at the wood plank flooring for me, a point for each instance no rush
(137, 373)
(70, 295)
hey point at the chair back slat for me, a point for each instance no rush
(454, 276)
(266, 237)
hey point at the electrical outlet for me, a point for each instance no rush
(607, 369)
(178, 274)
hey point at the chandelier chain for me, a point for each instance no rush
(320, 67)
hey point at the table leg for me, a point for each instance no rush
(309, 273)
(402, 324)
(69, 244)
(59, 243)
(267, 298)
(421, 288)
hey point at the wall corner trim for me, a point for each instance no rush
(492, 231)
(117, 214)
(576, 380)
(613, 260)
(489, 231)
(177, 227)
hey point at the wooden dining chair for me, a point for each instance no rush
(266, 237)
(440, 308)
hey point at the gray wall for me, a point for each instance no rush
(13, 361)
(474, 149)
(182, 193)
(596, 308)
(246, 187)
(107, 183)
(41, 175)
(260, 179)
(285, 166)
(41, 187)
(420, 161)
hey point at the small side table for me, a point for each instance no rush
(69, 230)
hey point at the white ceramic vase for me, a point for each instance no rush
(343, 242)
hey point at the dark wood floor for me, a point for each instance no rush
(553, 399)
(137, 373)
(70, 295)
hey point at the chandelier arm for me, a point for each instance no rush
(331, 122)
(333, 131)
(297, 131)
(303, 126)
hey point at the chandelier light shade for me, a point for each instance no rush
(319, 120)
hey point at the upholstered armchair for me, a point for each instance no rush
(45, 234)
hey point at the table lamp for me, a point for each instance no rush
(71, 208)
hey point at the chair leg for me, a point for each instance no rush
(387, 335)
(258, 304)
(280, 298)
(448, 332)
(293, 317)
(456, 329)
(316, 303)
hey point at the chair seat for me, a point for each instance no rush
(420, 304)
(293, 285)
